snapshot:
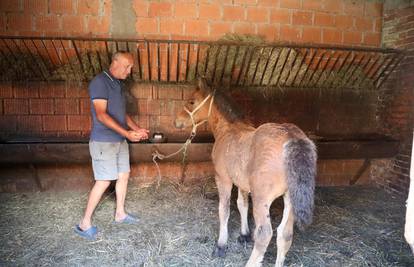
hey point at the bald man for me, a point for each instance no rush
(111, 126)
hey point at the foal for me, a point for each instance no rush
(269, 161)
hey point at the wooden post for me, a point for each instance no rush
(409, 217)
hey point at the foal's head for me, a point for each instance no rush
(198, 107)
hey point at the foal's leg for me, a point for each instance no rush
(243, 205)
(284, 231)
(224, 188)
(263, 232)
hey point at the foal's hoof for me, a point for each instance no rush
(219, 251)
(244, 238)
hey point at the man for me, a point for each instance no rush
(108, 147)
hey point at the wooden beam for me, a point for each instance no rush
(142, 152)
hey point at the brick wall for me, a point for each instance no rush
(326, 21)
(397, 96)
(62, 110)
(33, 110)
(55, 17)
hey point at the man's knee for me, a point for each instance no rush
(123, 176)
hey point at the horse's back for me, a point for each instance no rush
(266, 168)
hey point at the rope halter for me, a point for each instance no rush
(183, 148)
(192, 113)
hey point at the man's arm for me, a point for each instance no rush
(100, 106)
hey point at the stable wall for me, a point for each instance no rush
(56, 110)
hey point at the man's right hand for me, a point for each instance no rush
(134, 136)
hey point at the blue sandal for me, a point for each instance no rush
(89, 234)
(129, 219)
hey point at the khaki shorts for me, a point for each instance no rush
(109, 159)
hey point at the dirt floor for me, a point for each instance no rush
(353, 226)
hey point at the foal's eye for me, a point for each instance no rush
(191, 102)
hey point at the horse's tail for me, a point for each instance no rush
(300, 165)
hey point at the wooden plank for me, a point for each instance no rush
(142, 152)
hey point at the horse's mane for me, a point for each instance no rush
(231, 111)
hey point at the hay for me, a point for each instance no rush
(353, 226)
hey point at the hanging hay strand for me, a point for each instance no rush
(353, 226)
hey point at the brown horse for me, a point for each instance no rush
(269, 161)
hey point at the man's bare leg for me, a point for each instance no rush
(121, 190)
(94, 197)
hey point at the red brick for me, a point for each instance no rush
(88, 7)
(146, 25)
(153, 106)
(34, 6)
(142, 91)
(312, 5)
(98, 25)
(280, 16)
(233, 13)
(62, 6)
(372, 39)
(331, 36)
(54, 123)
(291, 4)
(6, 90)
(166, 124)
(51, 91)
(41, 106)
(269, 32)
(170, 92)
(79, 123)
(185, 10)
(25, 91)
(268, 3)
(353, 8)
(73, 23)
(8, 124)
(324, 19)
(244, 28)
(46, 23)
(378, 25)
(10, 5)
(257, 14)
(66, 106)
(143, 121)
(210, 11)
(197, 28)
(85, 106)
(333, 6)
(344, 22)
(302, 18)
(19, 22)
(311, 34)
(218, 29)
(352, 37)
(160, 9)
(141, 8)
(142, 106)
(29, 124)
(74, 90)
(373, 9)
(289, 33)
(364, 24)
(245, 2)
(171, 26)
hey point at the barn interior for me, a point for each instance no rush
(340, 70)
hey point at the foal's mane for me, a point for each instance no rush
(225, 104)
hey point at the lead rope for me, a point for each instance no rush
(156, 154)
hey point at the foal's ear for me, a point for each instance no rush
(202, 83)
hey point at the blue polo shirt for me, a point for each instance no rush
(105, 86)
